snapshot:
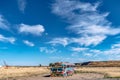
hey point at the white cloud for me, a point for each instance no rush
(85, 52)
(96, 51)
(64, 8)
(112, 53)
(114, 50)
(7, 39)
(62, 41)
(94, 29)
(3, 23)
(88, 40)
(22, 5)
(88, 54)
(28, 43)
(91, 28)
(86, 21)
(31, 29)
(116, 45)
(78, 49)
(48, 50)
(83, 41)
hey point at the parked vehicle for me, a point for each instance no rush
(62, 69)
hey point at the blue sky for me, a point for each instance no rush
(34, 32)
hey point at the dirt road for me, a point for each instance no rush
(83, 76)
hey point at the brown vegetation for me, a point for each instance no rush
(105, 64)
(100, 64)
(109, 72)
(12, 72)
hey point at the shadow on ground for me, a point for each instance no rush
(46, 76)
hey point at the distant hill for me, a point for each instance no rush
(100, 64)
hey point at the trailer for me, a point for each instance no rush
(62, 69)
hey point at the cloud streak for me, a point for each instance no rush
(22, 5)
(31, 29)
(7, 39)
(91, 26)
(28, 43)
(61, 41)
(112, 53)
(3, 23)
(78, 49)
(48, 50)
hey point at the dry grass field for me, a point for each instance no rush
(15, 72)
(12, 72)
(109, 72)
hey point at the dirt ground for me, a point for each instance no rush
(83, 76)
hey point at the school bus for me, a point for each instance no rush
(62, 69)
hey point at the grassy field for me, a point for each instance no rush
(12, 72)
(109, 72)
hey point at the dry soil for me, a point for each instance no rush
(83, 76)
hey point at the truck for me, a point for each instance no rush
(62, 69)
